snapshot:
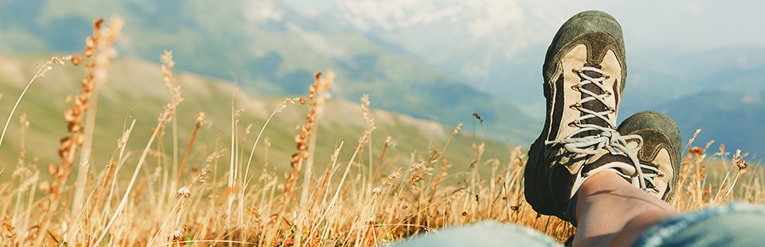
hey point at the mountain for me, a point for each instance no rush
(733, 118)
(498, 47)
(664, 76)
(493, 46)
(268, 49)
(720, 91)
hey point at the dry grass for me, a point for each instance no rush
(359, 200)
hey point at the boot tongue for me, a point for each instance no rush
(593, 105)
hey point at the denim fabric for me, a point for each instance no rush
(484, 233)
(736, 224)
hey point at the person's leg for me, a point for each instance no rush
(735, 224)
(611, 211)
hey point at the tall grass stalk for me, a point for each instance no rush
(276, 110)
(164, 117)
(41, 71)
(201, 119)
(317, 97)
(102, 40)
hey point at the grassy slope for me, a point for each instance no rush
(135, 91)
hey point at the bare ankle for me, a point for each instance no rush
(611, 210)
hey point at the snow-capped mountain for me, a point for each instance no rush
(486, 43)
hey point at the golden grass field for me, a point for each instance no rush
(360, 199)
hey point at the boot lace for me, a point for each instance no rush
(607, 137)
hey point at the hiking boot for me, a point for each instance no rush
(660, 151)
(584, 73)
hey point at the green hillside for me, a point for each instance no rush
(266, 55)
(134, 91)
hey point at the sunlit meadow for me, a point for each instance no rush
(361, 197)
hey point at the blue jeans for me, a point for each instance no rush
(736, 224)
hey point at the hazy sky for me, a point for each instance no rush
(689, 24)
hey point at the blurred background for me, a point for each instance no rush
(701, 62)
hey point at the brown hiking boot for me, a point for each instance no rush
(660, 151)
(584, 74)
